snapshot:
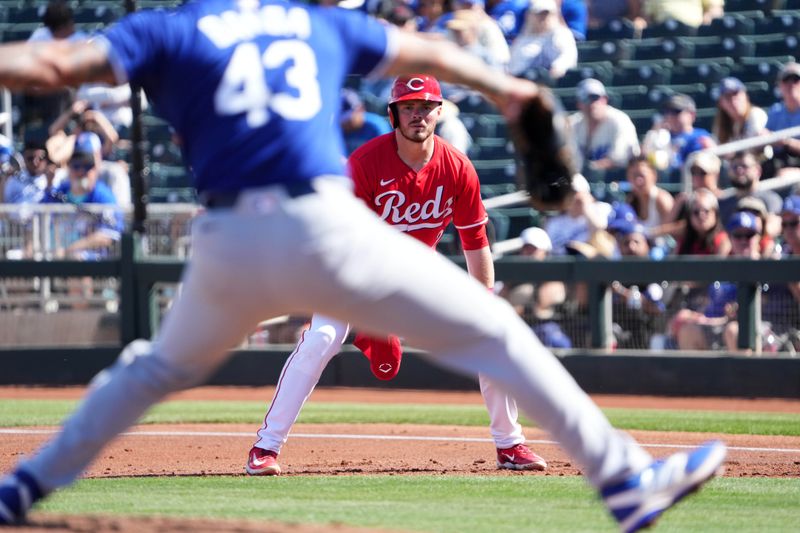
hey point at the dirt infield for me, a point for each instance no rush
(344, 449)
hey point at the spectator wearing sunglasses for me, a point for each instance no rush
(716, 327)
(95, 231)
(605, 137)
(703, 233)
(782, 115)
(29, 185)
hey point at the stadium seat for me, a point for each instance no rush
(786, 22)
(774, 45)
(602, 70)
(729, 46)
(27, 14)
(662, 48)
(609, 50)
(700, 93)
(728, 24)
(668, 28)
(614, 29)
(500, 224)
(733, 6)
(519, 218)
(493, 171)
(703, 71)
(652, 72)
(632, 97)
(642, 119)
(491, 148)
(100, 14)
(760, 69)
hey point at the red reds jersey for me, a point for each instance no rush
(422, 203)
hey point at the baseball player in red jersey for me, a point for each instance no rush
(418, 183)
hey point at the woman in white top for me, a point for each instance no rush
(544, 42)
(736, 118)
(651, 203)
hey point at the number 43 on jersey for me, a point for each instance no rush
(243, 88)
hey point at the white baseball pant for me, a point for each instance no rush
(304, 366)
(327, 252)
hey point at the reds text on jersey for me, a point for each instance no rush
(422, 203)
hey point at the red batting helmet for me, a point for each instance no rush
(416, 87)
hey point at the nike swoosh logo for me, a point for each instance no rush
(509, 457)
(259, 462)
(384, 183)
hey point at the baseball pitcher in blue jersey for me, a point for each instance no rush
(252, 87)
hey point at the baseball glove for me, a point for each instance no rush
(545, 163)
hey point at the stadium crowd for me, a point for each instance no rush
(630, 199)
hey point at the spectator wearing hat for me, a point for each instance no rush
(605, 137)
(744, 172)
(545, 42)
(359, 125)
(737, 117)
(536, 243)
(94, 232)
(30, 183)
(716, 327)
(782, 115)
(680, 113)
(790, 226)
(769, 225)
(580, 220)
(637, 308)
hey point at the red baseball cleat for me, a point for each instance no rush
(519, 457)
(262, 463)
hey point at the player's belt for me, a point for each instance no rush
(228, 199)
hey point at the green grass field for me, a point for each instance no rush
(424, 503)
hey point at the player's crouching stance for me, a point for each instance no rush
(252, 87)
(416, 182)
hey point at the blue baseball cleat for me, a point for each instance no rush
(638, 501)
(18, 492)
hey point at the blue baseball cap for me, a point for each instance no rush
(791, 204)
(87, 143)
(742, 219)
(731, 85)
(622, 218)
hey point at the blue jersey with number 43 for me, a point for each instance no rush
(252, 87)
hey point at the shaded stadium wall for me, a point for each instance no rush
(631, 373)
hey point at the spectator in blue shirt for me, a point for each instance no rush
(94, 231)
(680, 113)
(358, 124)
(782, 115)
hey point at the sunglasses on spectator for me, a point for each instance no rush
(793, 78)
(741, 166)
(85, 166)
(743, 235)
(790, 223)
(672, 111)
(701, 211)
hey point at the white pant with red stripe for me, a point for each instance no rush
(303, 368)
(326, 252)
